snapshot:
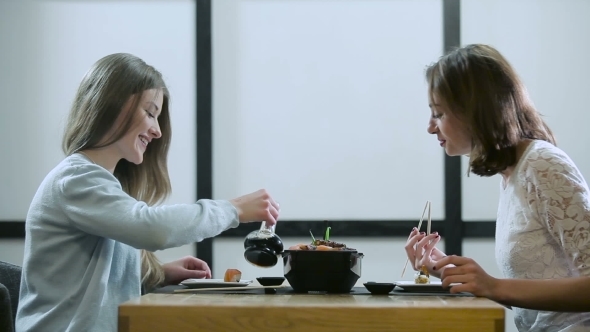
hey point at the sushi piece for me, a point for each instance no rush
(422, 277)
(232, 275)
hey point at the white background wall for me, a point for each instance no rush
(354, 67)
(324, 96)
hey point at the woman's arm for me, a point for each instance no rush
(559, 194)
(564, 295)
(94, 202)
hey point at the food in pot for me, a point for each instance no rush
(422, 277)
(321, 245)
(232, 275)
(324, 245)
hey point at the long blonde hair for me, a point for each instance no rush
(99, 101)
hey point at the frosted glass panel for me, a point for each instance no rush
(324, 103)
(552, 61)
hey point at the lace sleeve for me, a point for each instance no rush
(558, 192)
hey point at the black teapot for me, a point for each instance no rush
(263, 247)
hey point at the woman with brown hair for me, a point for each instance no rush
(481, 109)
(96, 209)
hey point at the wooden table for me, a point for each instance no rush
(308, 313)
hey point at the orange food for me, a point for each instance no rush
(422, 276)
(300, 247)
(322, 247)
(232, 275)
(425, 270)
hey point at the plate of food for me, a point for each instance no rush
(412, 286)
(213, 283)
(232, 278)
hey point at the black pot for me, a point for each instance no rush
(332, 271)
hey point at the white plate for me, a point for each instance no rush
(213, 283)
(411, 286)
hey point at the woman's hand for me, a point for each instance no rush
(257, 206)
(469, 275)
(421, 250)
(188, 267)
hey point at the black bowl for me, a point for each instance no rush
(271, 281)
(379, 288)
(333, 271)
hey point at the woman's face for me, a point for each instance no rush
(451, 132)
(146, 127)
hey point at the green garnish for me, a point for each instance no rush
(327, 234)
(312, 238)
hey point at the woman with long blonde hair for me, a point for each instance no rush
(96, 218)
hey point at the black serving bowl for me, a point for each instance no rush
(332, 271)
(379, 288)
(271, 281)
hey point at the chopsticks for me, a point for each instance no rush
(427, 206)
(429, 221)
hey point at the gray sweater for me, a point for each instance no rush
(81, 247)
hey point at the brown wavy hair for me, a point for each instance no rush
(107, 86)
(480, 87)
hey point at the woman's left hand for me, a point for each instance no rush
(468, 274)
(188, 267)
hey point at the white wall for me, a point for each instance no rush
(317, 100)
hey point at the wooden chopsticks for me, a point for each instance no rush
(426, 207)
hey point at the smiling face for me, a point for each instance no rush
(145, 129)
(144, 113)
(451, 132)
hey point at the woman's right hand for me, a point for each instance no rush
(422, 251)
(257, 206)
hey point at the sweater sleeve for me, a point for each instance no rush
(94, 202)
(561, 196)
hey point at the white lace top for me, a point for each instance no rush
(543, 230)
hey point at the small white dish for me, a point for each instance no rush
(213, 283)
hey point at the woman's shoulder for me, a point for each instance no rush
(77, 168)
(544, 160)
(545, 154)
(72, 164)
